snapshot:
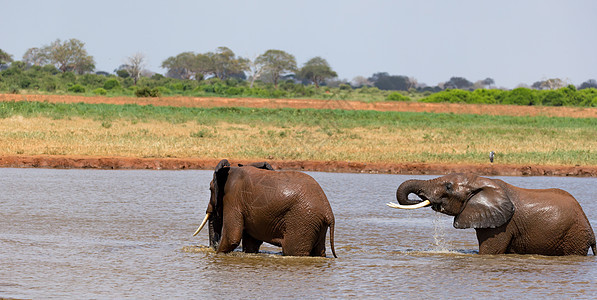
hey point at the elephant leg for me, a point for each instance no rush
(299, 242)
(232, 233)
(250, 244)
(319, 247)
(295, 248)
(493, 240)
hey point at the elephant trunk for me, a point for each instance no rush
(406, 188)
(214, 233)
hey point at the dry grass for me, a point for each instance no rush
(153, 138)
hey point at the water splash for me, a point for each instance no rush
(439, 235)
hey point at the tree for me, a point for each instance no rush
(36, 57)
(488, 82)
(221, 64)
(485, 83)
(122, 72)
(181, 66)
(554, 83)
(255, 70)
(135, 65)
(277, 63)
(361, 81)
(591, 83)
(385, 81)
(317, 70)
(549, 84)
(68, 56)
(5, 58)
(458, 83)
(224, 64)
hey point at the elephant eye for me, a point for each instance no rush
(449, 186)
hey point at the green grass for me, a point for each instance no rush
(308, 134)
(282, 116)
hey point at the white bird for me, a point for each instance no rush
(491, 154)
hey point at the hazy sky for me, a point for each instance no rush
(511, 41)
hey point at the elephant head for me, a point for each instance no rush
(475, 202)
(214, 213)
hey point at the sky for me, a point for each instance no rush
(511, 41)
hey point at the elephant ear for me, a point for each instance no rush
(220, 178)
(488, 207)
(262, 165)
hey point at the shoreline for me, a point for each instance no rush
(132, 163)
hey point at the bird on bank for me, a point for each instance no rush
(491, 155)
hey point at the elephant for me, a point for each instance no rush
(507, 219)
(256, 204)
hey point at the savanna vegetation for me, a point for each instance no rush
(38, 128)
(65, 67)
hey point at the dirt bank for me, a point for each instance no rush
(123, 163)
(488, 169)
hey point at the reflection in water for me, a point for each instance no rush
(118, 234)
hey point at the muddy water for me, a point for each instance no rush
(120, 234)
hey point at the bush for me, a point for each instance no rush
(345, 87)
(111, 83)
(487, 96)
(91, 80)
(553, 98)
(77, 88)
(234, 91)
(395, 96)
(100, 91)
(520, 96)
(452, 96)
(588, 96)
(68, 77)
(147, 92)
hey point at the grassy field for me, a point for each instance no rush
(35, 128)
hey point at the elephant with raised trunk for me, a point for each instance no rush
(506, 218)
(256, 204)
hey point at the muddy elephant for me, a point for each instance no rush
(506, 218)
(255, 204)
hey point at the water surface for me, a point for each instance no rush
(128, 234)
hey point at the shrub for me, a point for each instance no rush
(111, 83)
(91, 80)
(452, 96)
(520, 96)
(147, 92)
(487, 96)
(395, 96)
(77, 88)
(234, 91)
(588, 96)
(553, 98)
(100, 91)
(345, 87)
(68, 77)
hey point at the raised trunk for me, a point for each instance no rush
(406, 188)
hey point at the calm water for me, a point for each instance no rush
(118, 234)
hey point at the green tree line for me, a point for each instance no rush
(66, 67)
(48, 79)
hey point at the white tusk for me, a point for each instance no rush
(413, 206)
(202, 224)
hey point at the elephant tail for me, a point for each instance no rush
(592, 248)
(332, 239)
